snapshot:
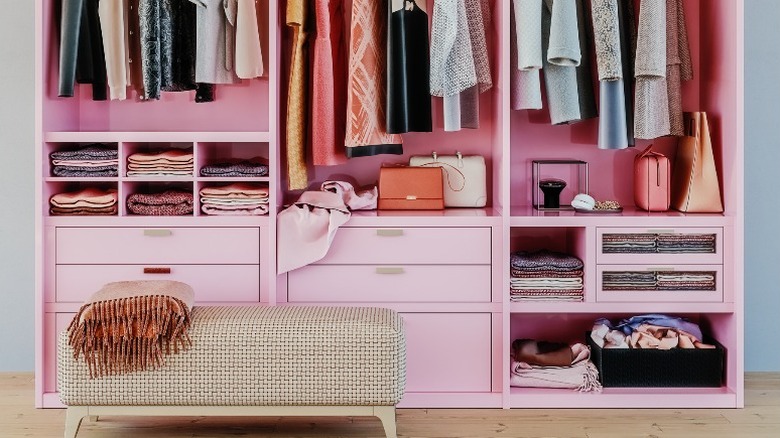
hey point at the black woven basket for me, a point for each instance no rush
(676, 368)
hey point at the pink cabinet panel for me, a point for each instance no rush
(75, 283)
(715, 295)
(158, 245)
(58, 322)
(448, 352)
(440, 246)
(712, 255)
(406, 283)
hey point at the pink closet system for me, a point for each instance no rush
(366, 129)
(329, 85)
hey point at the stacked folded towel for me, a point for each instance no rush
(686, 281)
(618, 280)
(172, 162)
(658, 280)
(242, 168)
(686, 243)
(96, 160)
(234, 200)
(169, 203)
(545, 276)
(541, 364)
(629, 243)
(86, 202)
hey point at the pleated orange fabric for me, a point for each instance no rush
(297, 173)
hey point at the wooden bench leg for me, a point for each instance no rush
(387, 415)
(93, 418)
(73, 418)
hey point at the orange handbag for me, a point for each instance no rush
(695, 184)
(411, 188)
(652, 175)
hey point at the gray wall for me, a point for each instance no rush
(16, 184)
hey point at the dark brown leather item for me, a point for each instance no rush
(542, 353)
(411, 188)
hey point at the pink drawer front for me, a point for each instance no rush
(440, 246)
(406, 283)
(708, 254)
(448, 352)
(168, 245)
(658, 296)
(211, 283)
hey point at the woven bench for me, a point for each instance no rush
(256, 361)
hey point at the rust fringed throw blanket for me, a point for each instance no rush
(130, 326)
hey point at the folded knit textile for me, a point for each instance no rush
(95, 160)
(241, 168)
(545, 260)
(84, 211)
(176, 162)
(560, 72)
(86, 171)
(239, 199)
(95, 151)
(130, 326)
(88, 201)
(526, 31)
(578, 373)
(519, 273)
(168, 203)
(652, 98)
(354, 200)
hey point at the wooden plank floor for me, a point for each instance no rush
(761, 418)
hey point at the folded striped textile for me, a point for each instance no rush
(131, 326)
(95, 151)
(85, 163)
(517, 273)
(544, 260)
(243, 168)
(85, 172)
(85, 211)
(235, 190)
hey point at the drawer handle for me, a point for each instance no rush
(661, 231)
(157, 270)
(390, 271)
(157, 233)
(661, 268)
(389, 233)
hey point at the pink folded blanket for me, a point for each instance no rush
(580, 376)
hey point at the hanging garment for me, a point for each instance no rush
(248, 59)
(115, 27)
(452, 60)
(408, 68)
(526, 92)
(561, 79)
(586, 94)
(628, 37)
(82, 58)
(652, 95)
(134, 44)
(306, 229)
(69, 44)
(366, 121)
(609, 58)
(679, 66)
(329, 85)
(214, 56)
(179, 67)
(155, 35)
(297, 175)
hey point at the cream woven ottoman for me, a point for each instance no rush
(257, 361)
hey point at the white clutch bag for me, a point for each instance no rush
(465, 178)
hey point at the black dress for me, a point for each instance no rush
(408, 70)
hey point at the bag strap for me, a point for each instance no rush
(446, 171)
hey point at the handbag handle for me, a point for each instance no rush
(449, 178)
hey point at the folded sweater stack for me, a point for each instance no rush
(541, 364)
(629, 243)
(86, 202)
(169, 203)
(231, 169)
(658, 281)
(172, 162)
(649, 243)
(96, 160)
(234, 200)
(545, 276)
(686, 243)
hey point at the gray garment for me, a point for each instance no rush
(560, 81)
(606, 27)
(528, 33)
(526, 86)
(452, 60)
(613, 122)
(451, 110)
(469, 108)
(587, 95)
(83, 171)
(214, 53)
(564, 44)
(628, 55)
(652, 99)
(69, 43)
(95, 151)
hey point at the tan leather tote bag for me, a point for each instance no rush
(695, 184)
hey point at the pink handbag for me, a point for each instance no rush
(652, 178)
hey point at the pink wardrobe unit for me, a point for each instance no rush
(447, 272)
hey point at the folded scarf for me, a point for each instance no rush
(235, 169)
(130, 326)
(169, 203)
(91, 152)
(89, 197)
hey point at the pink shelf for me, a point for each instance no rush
(631, 216)
(210, 179)
(80, 179)
(625, 398)
(155, 137)
(623, 308)
(157, 221)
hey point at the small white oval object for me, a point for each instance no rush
(583, 202)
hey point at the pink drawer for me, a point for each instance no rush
(657, 296)
(440, 246)
(55, 323)
(448, 352)
(706, 254)
(117, 246)
(75, 283)
(406, 283)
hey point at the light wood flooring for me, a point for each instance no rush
(761, 418)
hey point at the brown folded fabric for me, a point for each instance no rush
(170, 203)
(542, 353)
(130, 325)
(84, 211)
